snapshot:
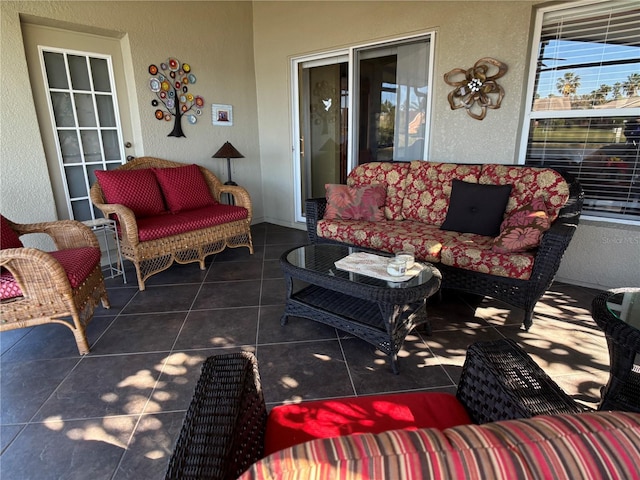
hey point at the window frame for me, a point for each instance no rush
(529, 114)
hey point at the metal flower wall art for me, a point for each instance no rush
(476, 88)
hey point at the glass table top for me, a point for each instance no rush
(626, 307)
(322, 258)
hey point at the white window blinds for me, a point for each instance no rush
(585, 108)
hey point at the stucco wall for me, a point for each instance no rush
(214, 37)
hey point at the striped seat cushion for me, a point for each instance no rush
(589, 445)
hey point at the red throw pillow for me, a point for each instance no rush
(8, 238)
(184, 188)
(523, 228)
(135, 189)
(355, 203)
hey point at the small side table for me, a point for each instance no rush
(107, 227)
(617, 313)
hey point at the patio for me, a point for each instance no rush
(115, 413)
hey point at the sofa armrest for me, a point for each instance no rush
(223, 431)
(500, 381)
(314, 211)
(240, 196)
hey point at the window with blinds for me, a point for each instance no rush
(584, 110)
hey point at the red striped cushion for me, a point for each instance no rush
(77, 263)
(161, 226)
(589, 445)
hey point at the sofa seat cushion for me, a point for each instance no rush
(587, 445)
(428, 189)
(77, 263)
(528, 183)
(169, 224)
(389, 236)
(391, 174)
(289, 425)
(475, 252)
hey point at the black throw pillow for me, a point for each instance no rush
(475, 208)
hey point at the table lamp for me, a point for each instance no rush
(228, 151)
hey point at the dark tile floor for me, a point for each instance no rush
(115, 413)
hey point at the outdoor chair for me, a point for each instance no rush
(226, 425)
(63, 286)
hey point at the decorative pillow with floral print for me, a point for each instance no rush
(355, 203)
(522, 229)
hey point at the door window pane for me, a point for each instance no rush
(111, 145)
(91, 146)
(79, 73)
(82, 209)
(56, 72)
(84, 110)
(100, 74)
(68, 141)
(106, 114)
(75, 181)
(62, 109)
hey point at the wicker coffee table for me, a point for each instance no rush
(377, 311)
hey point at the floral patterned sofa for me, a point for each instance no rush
(494, 230)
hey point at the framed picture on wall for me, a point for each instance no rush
(222, 115)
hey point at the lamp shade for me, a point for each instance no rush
(227, 151)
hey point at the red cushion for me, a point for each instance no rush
(355, 203)
(523, 228)
(135, 189)
(77, 263)
(8, 286)
(8, 237)
(160, 226)
(184, 188)
(290, 425)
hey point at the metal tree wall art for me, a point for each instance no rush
(476, 88)
(171, 82)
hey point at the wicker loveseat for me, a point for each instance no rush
(171, 212)
(417, 211)
(226, 429)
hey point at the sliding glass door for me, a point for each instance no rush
(365, 104)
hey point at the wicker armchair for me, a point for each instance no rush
(224, 428)
(154, 256)
(46, 294)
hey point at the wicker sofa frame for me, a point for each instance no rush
(519, 293)
(224, 428)
(48, 297)
(154, 256)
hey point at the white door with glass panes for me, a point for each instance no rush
(76, 78)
